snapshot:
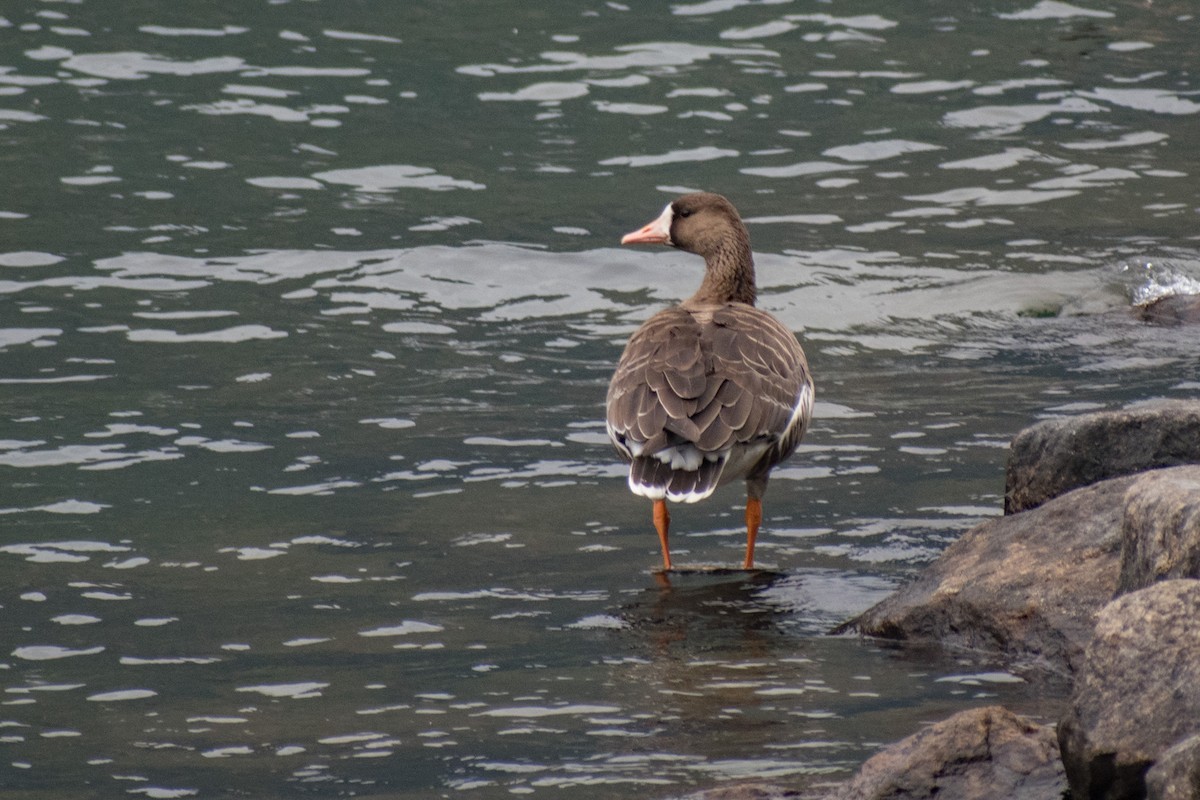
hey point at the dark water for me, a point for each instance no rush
(307, 311)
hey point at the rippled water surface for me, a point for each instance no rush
(307, 311)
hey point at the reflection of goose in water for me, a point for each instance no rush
(710, 610)
(713, 389)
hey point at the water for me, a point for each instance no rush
(306, 316)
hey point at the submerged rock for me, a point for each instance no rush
(1024, 587)
(1138, 692)
(1161, 528)
(981, 754)
(1056, 456)
(1175, 309)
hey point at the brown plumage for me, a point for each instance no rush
(713, 389)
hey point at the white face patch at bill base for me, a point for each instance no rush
(664, 221)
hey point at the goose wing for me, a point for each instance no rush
(702, 396)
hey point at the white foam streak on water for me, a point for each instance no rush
(1010, 157)
(878, 150)
(931, 86)
(1007, 120)
(1055, 9)
(77, 546)
(166, 30)
(979, 678)
(234, 335)
(163, 793)
(388, 177)
(285, 182)
(544, 92)
(28, 258)
(872, 22)
(138, 66)
(535, 712)
(82, 455)
(706, 153)
(295, 691)
(52, 381)
(712, 6)
(135, 661)
(599, 622)
(797, 219)
(800, 169)
(254, 553)
(62, 507)
(51, 652)
(222, 446)
(315, 489)
(125, 429)
(405, 628)
(774, 28)
(121, 695)
(634, 56)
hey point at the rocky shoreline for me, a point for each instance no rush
(1091, 576)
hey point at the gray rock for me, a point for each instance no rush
(1176, 776)
(980, 754)
(1025, 587)
(1176, 309)
(1138, 692)
(1056, 456)
(1161, 529)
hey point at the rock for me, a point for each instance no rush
(1055, 456)
(1176, 776)
(980, 754)
(1025, 587)
(1161, 529)
(1138, 692)
(1175, 309)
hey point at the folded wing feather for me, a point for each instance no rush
(694, 387)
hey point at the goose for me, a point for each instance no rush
(713, 389)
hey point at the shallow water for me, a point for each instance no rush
(306, 316)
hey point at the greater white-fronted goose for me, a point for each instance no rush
(712, 389)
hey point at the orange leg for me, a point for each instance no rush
(662, 523)
(753, 520)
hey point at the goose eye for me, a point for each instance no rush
(685, 213)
